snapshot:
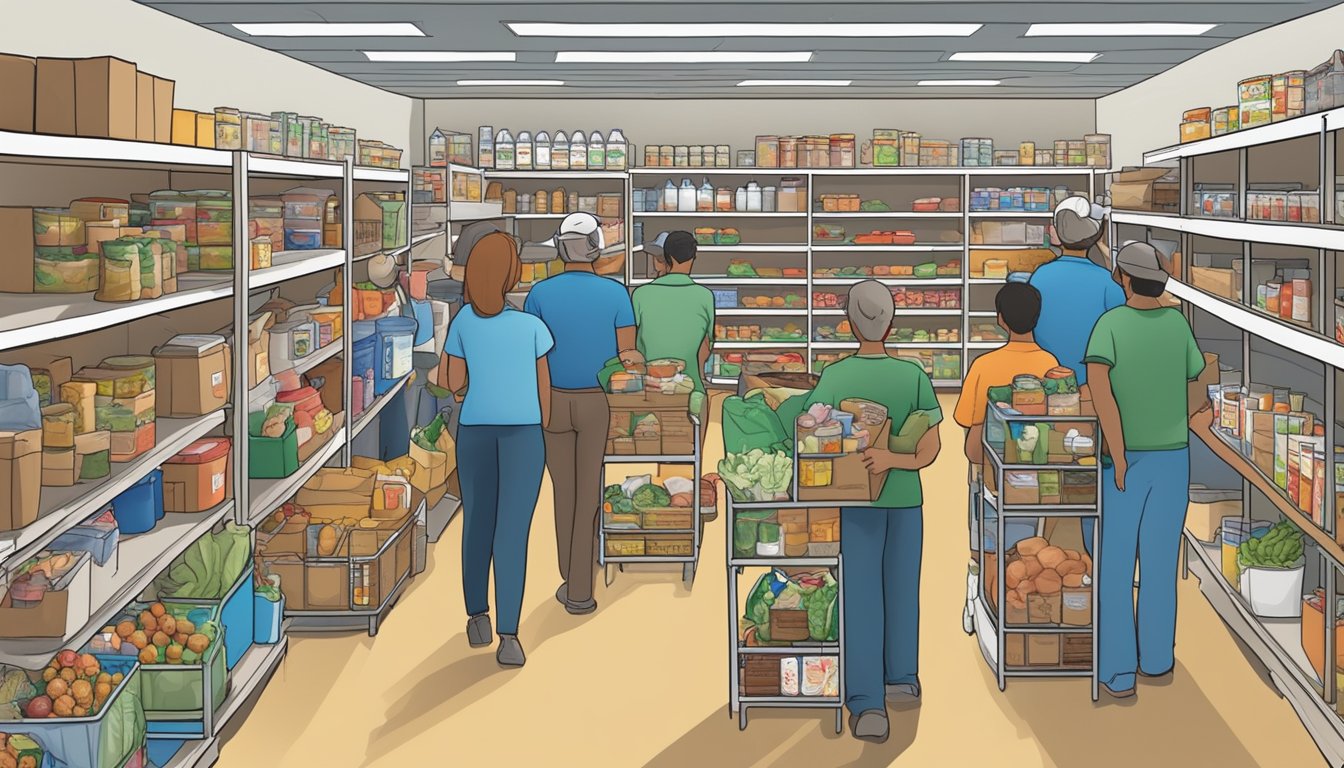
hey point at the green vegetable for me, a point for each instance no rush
(757, 475)
(613, 494)
(651, 496)
(1280, 547)
(822, 605)
(208, 568)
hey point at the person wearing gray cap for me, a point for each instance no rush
(1075, 291)
(1140, 359)
(882, 543)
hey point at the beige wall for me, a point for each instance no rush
(211, 70)
(1147, 116)
(737, 123)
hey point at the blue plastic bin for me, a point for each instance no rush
(98, 740)
(139, 507)
(364, 344)
(302, 239)
(98, 540)
(236, 613)
(395, 338)
(268, 618)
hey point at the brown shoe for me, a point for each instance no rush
(1125, 694)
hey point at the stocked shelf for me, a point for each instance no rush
(319, 356)
(267, 494)
(63, 507)
(611, 175)
(936, 248)
(893, 281)
(37, 146)
(1297, 127)
(370, 414)
(1281, 233)
(719, 215)
(886, 215)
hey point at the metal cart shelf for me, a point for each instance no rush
(990, 623)
(689, 563)
(739, 702)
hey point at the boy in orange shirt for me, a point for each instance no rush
(1018, 306)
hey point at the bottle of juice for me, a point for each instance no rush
(504, 157)
(618, 151)
(597, 152)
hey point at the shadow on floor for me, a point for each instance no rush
(305, 654)
(1070, 730)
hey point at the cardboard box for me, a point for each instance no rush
(60, 611)
(20, 478)
(144, 106)
(163, 109)
(105, 98)
(1015, 650)
(1137, 189)
(17, 249)
(1021, 488)
(1076, 606)
(292, 572)
(60, 467)
(327, 585)
(189, 382)
(1219, 282)
(1043, 650)
(337, 493)
(1044, 609)
(184, 127)
(18, 92)
(54, 102)
(1262, 452)
(1204, 516)
(850, 479)
(205, 130)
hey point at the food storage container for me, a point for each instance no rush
(767, 151)
(305, 203)
(139, 507)
(58, 426)
(228, 128)
(197, 478)
(1288, 95)
(395, 338)
(1324, 85)
(271, 457)
(302, 239)
(102, 209)
(176, 695)
(112, 737)
(1226, 120)
(341, 143)
(292, 341)
(1255, 100)
(57, 227)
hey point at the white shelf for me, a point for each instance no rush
(684, 171)
(1007, 247)
(462, 211)
(745, 282)
(392, 175)
(748, 312)
(987, 280)
(319, 356)
(886, 215)
(982, 313)
(593, 175)
(42, 146)
(753, 248)
(1300, 340)
(909, 282)
(737, 344)
(719, 215)
(269, 493)
(944, 345)
(995, 170)
(63, 508)
(366, 418)
(1281, 233)
(287, 265)
(140, 559)
(939, 248)
(1307, 125)
(900, 312)
(536, 216)
(292, 166)
(985, 344)
(41, 317)
(1011, 215)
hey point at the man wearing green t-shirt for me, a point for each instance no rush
(673, 315)
(1140, 359)
(883, 543)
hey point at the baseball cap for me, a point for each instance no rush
(1141, 260)
(579, 224)
(655, 248)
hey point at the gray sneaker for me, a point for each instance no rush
(576, 609)
(903, 693)
(479, 633)
(870, 726)
(510, 653)
(562, 594)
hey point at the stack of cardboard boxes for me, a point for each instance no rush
(102, 97)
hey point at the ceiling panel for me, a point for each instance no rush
(878, 67)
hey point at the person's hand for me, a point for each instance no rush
(631, 357)
(1121, 468)
(879, 461)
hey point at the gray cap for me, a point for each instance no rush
(472, 234)
(655, 248)
(1141, 260)
(1074, 222)
(871, 309)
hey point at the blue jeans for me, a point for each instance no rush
(882, 550)
(1144, 521)
(500, 471)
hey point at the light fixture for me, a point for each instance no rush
(1048, 57)
(548, 29)
(441, 56)
(331, 29)
(1141, 29)
(958, 82)
(683, 57)
(509, 82)
(804, 83)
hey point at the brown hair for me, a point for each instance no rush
(493, 269)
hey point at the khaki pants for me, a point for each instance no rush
(575, 443)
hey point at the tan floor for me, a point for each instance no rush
(644, 682)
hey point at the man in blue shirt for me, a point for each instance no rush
(592, 321)
(1075, 292)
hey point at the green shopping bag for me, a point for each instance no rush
(749, 423)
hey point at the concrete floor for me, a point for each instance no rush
(644, 681)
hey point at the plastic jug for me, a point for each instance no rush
(754, 200)
(396, 338)
(686, 195)
(1235, 531)
(438, 149)
(560, 152)
(522, 151)
(704, 199)
(597, 152)
(541, 151)
(504, 151)
(740, 199)
(618, 151)
(578, 151)
(669, 202)
(20, 408)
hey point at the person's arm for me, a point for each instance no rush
(625, 345)
(1108, 413)
(544, 390)
(457, 376)
(1194, 366)
(925, 453)
(879, 460)
(975, 448)
(708, 341)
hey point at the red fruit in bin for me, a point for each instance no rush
(67, 658)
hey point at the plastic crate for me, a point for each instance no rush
(267, 619)
(110, 739)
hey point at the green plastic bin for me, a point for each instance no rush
(271, 457)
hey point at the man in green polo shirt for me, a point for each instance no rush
(883, 543)
(675, 316)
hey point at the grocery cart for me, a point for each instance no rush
(655, 542)
(1042, 469)
(759, 662)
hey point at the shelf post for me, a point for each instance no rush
(242, 267)
(347, 326)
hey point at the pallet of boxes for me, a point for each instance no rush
(1048, 577)
(344, 543)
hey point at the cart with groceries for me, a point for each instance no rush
(1034, 610)
(652, 518)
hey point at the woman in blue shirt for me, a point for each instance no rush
(500, 448)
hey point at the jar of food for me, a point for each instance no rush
(652, 156)
(228, 128)
(597, 151)
(767, 151)
(829, 438)
(842, 150)
(560, 152)
(522, 151)
(578, 151)
(723, 156)
(261, 249)
(541, 151)
(681, 157)
(723, 199)
(695, 156)
(667, 156)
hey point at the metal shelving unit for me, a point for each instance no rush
(738, 702)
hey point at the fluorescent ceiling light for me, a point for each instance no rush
(1143, 29)
(819, 83)
(510, 82)
(1049, 57)
(331, 29)
(424, 56)
(958, 82)
(683, 57)
(540, 29)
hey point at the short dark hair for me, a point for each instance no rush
(1019, 304)
(1145, 287)
(679, 247)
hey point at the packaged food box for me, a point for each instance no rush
(49, 601)
(197, 478)
(105, 98)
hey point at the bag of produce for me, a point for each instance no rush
(746, 531)
(762, 596)
(119, 271)
(65, 270)
(749, 424)
(208, 568)
(912, 431)
(757, 475)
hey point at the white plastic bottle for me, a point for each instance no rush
(578, 151)
(522, 151)
(597, 152)
(740, 200)
(704, 199)
(754, 201)
(560, 152)
(669, 202)
(618, 151)
(541, 151)
(686, 195)
(504, 151)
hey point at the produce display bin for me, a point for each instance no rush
(107, 740)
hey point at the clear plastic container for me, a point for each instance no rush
(704, 199)
(504, 151)
(541, 151)
(686, 196)
(597, 151)
(578, 151)
(438, 149)
(522, 151)
(618, 151)
(754, 201)
(560, 152)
